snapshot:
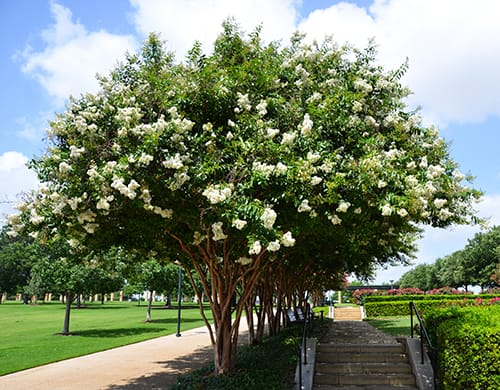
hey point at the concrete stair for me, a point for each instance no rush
(366, 360)
(347, 314)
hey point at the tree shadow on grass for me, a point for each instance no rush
(116, 333)
(168, 371)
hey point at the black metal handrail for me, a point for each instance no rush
(424, 339)
(303, 344)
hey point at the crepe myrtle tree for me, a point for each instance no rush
(222, 157)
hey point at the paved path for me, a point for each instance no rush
(152, 364)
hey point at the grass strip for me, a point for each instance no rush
(30, 333)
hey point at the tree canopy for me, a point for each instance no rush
(250, 156)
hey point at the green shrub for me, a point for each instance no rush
(468, 342)
(270, 365)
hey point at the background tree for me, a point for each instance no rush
(481, 256)
(234, 157)
(153, 276)
(16, 256)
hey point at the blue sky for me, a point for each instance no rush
(51, 49)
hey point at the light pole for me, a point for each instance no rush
(179, 297)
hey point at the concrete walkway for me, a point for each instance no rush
(152, 364)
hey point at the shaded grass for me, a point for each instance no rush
(394, 326)
(30, 336)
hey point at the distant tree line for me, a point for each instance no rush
(478, 264)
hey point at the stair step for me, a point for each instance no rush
(367, 387)
(362, 368)
(361, 348)
(398, 379)
(365, 357)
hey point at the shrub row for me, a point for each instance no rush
(467, 339)
(402, 308)
(419, 297)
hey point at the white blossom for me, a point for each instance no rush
(357, 210)
(174, 162)
(434, 171)
(244, 101)
(288, 138)
(381, 184)
(273, 246)
(281, 168)
(315, 180)
(86, 216)
(362, 85)
(306, 125)
(217, 194)
(167, 214)
(334, 219)
(64, 167)
(91, 227)
(239, 224)
(444, 214)
(255, 249)
(439, 203)
(386, 210)
(287, 239)
(75, 152)
(313, 157)
(36, 219)
(262, 108)
(343, 207)
(244, 260)
(402, 212)
(74, 243)
(271, 133)
(304, 206)
(198, 238)
(268, 218)
(218, 233)
(145, 159)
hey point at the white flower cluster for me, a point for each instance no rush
(75, 152)
(243, 102)
(362, 85)
(217, 194)
(268, 169)
(273, 246)
(262, 108)
(239, 224)
(173, 162)
(306, 126)
(343, 207)
(334, 219)
(268, 218)
(126, 190)
(218, 233)
(287, 239)
(244, 260)
(255, 249)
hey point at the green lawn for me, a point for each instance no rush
(29, 333)
(395, 326)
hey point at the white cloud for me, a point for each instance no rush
(72, 56)
(181, 23)
(453, 49)
(15, 178)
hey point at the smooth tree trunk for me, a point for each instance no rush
(67, 313)
(148, 313)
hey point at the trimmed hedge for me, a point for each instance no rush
(402, 307)
(468, 340)
(420, 297)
